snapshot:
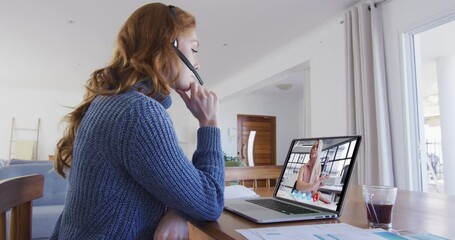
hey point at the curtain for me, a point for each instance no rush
(368, 112)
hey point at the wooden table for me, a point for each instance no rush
(414, 212)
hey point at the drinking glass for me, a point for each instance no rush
(379, 202)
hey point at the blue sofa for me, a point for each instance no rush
(47, 209)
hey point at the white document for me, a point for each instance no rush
(337, 231)
(238, 191)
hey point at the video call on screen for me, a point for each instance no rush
(335, 159)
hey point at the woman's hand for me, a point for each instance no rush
(171, 226)
(318, 183)
(202, 103)
(322, 179)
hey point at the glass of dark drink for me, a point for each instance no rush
(379, 201)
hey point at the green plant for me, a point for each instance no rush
(230, 161)
(230, 158)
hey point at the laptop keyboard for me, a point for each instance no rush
(280, 206)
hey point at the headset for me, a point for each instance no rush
(180, 54)
(187, 63)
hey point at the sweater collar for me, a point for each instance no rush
(145, 87)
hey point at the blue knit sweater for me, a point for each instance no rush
(128, 167)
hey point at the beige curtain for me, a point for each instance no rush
(367, 94)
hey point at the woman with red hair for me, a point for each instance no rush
(128, 178)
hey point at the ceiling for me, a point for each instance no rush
(57, 44)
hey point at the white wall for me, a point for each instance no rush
(401, 16)
(285, 110)
(324, 48)
(26, 106)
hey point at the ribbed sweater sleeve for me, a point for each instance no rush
(155, 160)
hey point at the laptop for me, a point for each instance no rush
(290, 202)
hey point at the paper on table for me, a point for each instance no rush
(238, 191)
(338, 231)
(426, 236)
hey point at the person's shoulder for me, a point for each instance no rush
(141, 105)
(137, 99)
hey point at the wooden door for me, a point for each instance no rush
(264, 148)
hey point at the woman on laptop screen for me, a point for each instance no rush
(309, 178)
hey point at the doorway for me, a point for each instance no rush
(257, 133)
(433, 58)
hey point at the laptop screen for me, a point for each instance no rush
(317, 170)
